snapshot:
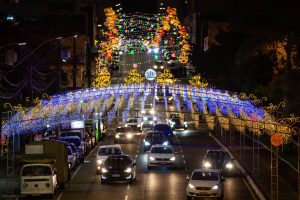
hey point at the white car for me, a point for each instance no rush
(103, 152)
(71, 158)
(134, 123)
(148, 109)
(205, 183)
(161, 155)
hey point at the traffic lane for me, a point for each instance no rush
(194, 145)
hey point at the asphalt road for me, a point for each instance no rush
(161, 183)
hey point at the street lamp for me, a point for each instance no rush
(13, 44)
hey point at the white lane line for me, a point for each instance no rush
(128, 187)
(182, 156)
(126, 197)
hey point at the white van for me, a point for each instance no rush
(38, 179)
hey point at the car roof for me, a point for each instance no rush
(110, 146)
(216, 150)
(70, 137)
(207, 170)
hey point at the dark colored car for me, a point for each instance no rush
(75, 140)
(123, 134)
(155, 138)
(176, 123)
(218, 159)
(164, 128)
(118, 168)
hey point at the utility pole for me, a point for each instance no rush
(74, 72)
(58, 68)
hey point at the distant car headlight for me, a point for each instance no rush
(185, 124)
(104, 170)
(207, 165)
(128, 170)
(157, 98)
(138, 125)
(229, 165)
(146, 143)
(170, 98)
(129, 135)
(117, 136)
(151, 158)
(145, 118)
(152, 112)
(143, 112)
(99, 162)
(154, 118)
(191, 186)
(172, 158)
(126, 125)
(151, 122)
(165, 143)
(215, 187)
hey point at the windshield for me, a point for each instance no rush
(109, 151)
(207, 176)
(123, 129)
(132, 121)
(167, 150)
(36, 171)
(156, 136)
(217, 155)
(71, 140)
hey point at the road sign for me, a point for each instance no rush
(150, 74)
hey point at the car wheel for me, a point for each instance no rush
(188, 198)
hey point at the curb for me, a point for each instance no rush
(242, 170)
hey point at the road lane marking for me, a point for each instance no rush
(128, 187)
(126, 197)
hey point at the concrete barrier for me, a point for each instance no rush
(244, 173)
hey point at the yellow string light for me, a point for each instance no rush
(166, 78)
(134, 77)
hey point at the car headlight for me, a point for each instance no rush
(126, 125)
(128, 170)
(207, 165)
(151, 122)
(138, 125)
(215, 187)
(145, 118)
(117, 136)
(151, 158)
(104, 170)
(143, 112)
(185, 124)
(99, 162)
(154, 118)
(157, 98)
(165, 143)
(172, 158)
(129, 135)
(229, 165)
(152, 112)
(191, 186)
(170, 98)
(146, 143)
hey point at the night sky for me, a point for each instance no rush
(139, 5)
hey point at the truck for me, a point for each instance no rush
(45, 168)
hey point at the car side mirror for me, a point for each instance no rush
(187, 177)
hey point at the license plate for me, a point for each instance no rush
(202, 193)
(115, 175)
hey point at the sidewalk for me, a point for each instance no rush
(287, 177)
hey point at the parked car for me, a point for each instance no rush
(218, 159)
(161, 155)
(71, 158)
(118, 168)
(79, 146)
(153, 138)
(205, 183)
(74, 149)
(104, 152)
(38, 179)
(123, 134)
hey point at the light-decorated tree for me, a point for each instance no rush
(166, 78)
(134, 77)
(102, 77)
(197, 82)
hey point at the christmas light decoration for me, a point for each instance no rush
(102, 77)
(134, 77)
(166, 77)
(196, 81)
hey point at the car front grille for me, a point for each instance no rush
(203, 188)
(162, 159)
